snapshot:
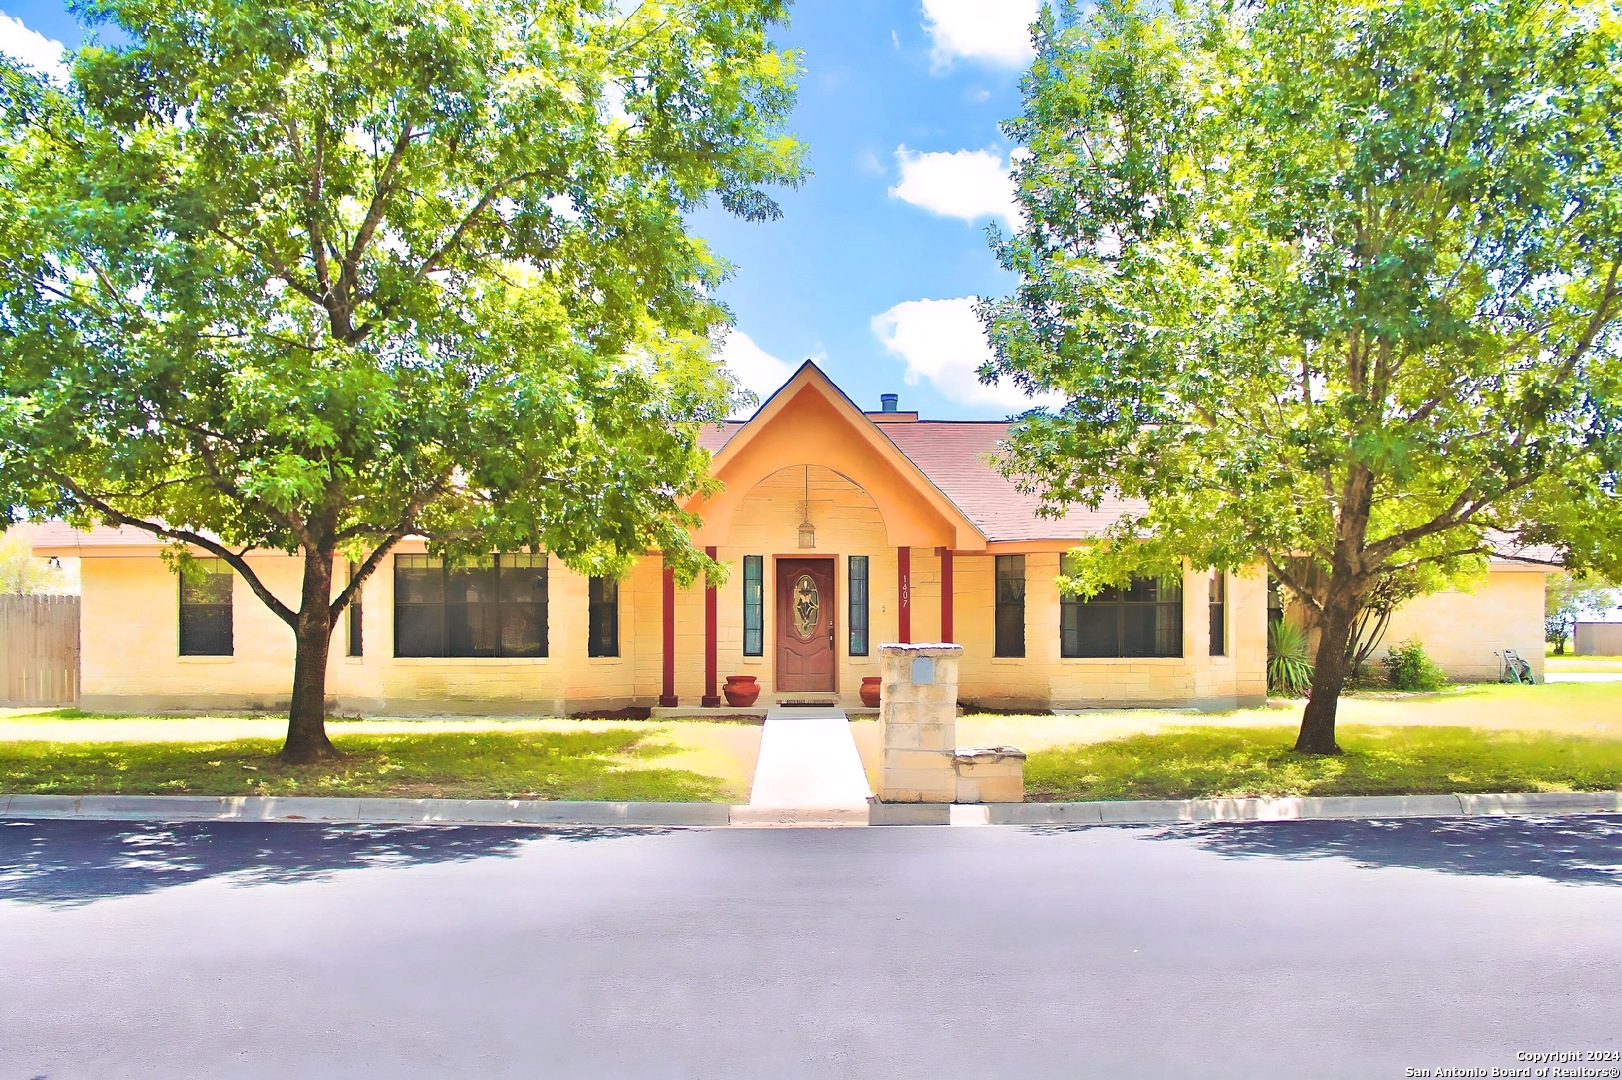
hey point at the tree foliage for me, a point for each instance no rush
(1337, 281)
(314, 277)
(1567, 598)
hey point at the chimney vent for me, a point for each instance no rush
(888, 402)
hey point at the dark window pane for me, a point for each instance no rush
(354, 616)
(603, 635)
(418, 579)
(419, 630)
(1219, 614)
(753, 634)
(1010, 607)
(1140, 623)
(858, 605)
(471, 629)
(1095, 630)
(205, 609)
(523, 629)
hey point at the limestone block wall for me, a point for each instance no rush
(1043, 679)
(918, 723)
(1462, 628)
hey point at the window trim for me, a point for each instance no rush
(1120, 607)
(595, 603)
(757, 607)
(858, 640)
(217, 567)
(1000, 649)
(445, 605)
(354, 640)
(1217, 602)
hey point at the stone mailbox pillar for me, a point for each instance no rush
(918, 722)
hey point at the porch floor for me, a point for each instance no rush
(808, 761)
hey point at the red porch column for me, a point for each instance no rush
(710, 699)
(946, 593)
(903, 559)
(667, 700)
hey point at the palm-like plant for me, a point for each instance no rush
(1289, 672)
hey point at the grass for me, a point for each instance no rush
(1573, 663)
(1217, 762)
(1486, 737)
(67, 752)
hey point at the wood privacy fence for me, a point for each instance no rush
(39, 650)
(1597, 639)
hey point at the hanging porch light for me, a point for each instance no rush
(808, 531)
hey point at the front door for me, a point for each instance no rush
(805, 625)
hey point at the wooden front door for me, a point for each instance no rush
(805, 625)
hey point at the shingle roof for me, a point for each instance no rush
(958, 457)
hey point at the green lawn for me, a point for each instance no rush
(73, 753)
(1215, 762)
(1487, 737)
(1582, 663)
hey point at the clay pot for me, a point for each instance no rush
(741, 690)
(870, 691)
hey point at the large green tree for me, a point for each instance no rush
(1333, 286)
(317, 276)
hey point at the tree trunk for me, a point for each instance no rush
(1328, 672)
(307, 717)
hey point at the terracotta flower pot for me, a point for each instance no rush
(870, 691)
(741, 690)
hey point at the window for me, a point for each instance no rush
(1010, 605)
(1275, 601)
(858, 605)
(604, 600)
(1143, 619)
(354, 616)
(495, 606)
(754, 635)
(205, 608)
(1219, 614)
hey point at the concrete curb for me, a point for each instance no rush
(1303, 809)
(538, 812)
(358, 811)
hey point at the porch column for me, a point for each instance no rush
(946, 594)
(667, 699)
(903, 560)
(710, 699)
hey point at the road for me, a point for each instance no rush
(1298, 949)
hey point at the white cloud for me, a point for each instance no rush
(943, 341)
(993, 31)
(966, 184)
(32, 48)
(753, 367)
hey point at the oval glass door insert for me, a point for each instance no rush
(806, 605)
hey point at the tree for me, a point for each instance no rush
(21, 572)
(1333, 281)
(1567, 598)
(314, 277)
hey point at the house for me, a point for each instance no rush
(843, 529)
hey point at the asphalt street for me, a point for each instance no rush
(1295, 949)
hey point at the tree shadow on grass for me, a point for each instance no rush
(1574, 850)
(68, 863)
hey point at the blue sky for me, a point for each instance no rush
(873, 267)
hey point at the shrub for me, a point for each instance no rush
(1289, 672)
(1411, 669)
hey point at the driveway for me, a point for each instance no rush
(1293, 949)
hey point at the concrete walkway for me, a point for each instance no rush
(1584, 676)
(808, 770)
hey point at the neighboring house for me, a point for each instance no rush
(842, 529)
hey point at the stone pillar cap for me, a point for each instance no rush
(939, 648)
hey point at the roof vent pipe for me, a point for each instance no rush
(887, 402)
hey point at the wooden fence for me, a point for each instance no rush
(39, 650)
(1597, 639)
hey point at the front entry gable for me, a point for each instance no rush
(809, 421)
